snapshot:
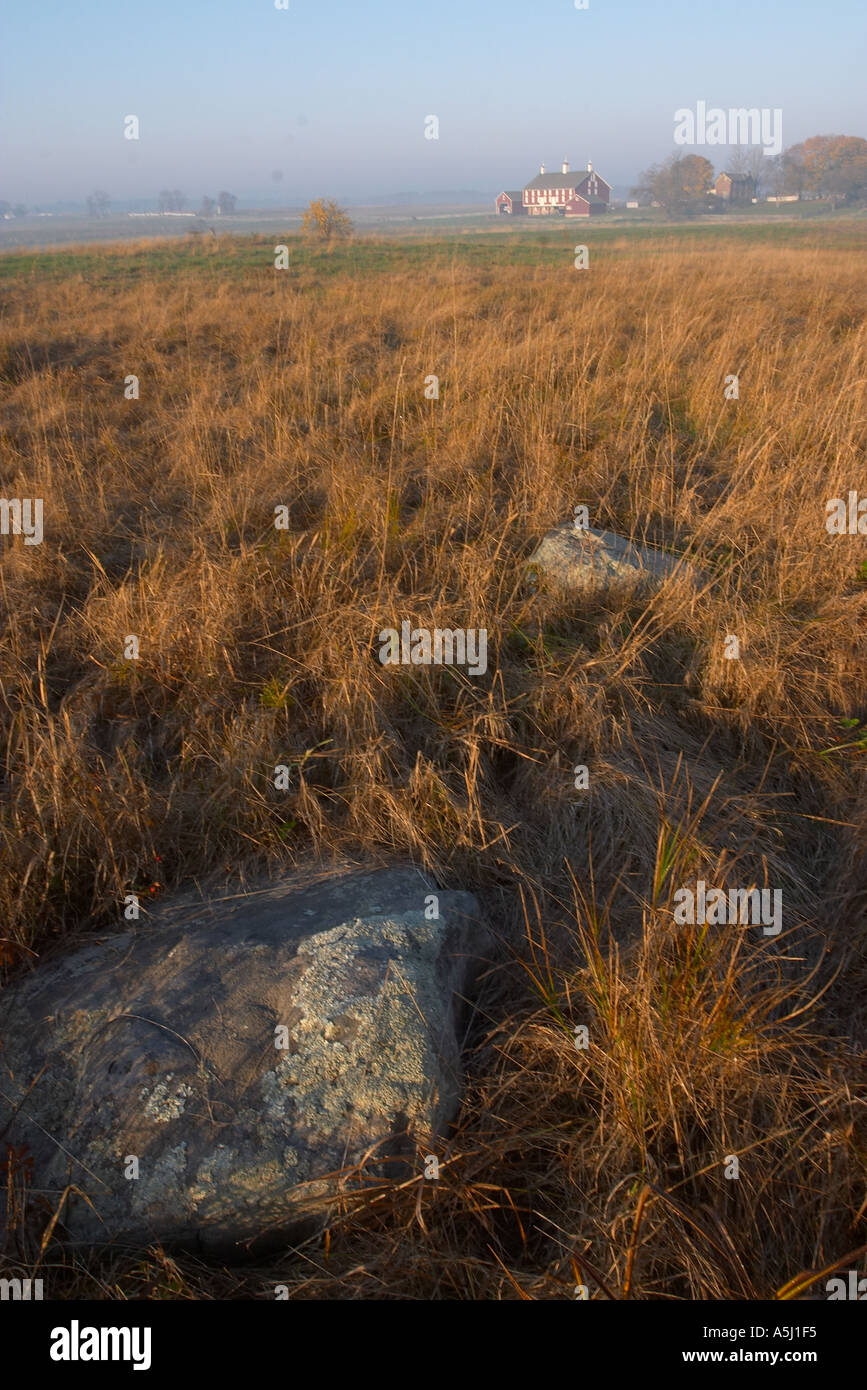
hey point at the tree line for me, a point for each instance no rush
(827, 166)
(169, 200)
(322, 218)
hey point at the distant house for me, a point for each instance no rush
(579, 194)
(735, 190)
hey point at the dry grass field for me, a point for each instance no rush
(604, 1166)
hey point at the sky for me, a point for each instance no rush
(330, 97)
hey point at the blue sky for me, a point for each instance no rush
(334, 94)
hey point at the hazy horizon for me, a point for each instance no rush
(332, 99)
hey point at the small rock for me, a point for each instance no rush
(587, 560)
(159, 1045)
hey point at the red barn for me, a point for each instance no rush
(512, 201)
(580, 194)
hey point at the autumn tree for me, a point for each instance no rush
(680, 184)
(832, 165)
(325, 219)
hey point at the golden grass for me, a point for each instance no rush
(604, 1166)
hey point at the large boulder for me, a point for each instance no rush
(588, 560)
(242, 1049)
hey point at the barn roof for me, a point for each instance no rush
(558, 180)
(573, 179)
(512, 193)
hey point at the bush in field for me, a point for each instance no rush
(326, 219)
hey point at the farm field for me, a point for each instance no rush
(305, 388)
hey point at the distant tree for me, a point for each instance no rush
(680, 184)
(775, 179)
(98, 204)
(227, 203)
(20, 209)
(4, 207)
(832, 165)
(325, 219)
(642, 190)
(207, 208)
(793, 173)
(171, 200)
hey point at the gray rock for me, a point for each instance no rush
(598, 560)
(159, 1044)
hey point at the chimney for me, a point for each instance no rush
(590, 166)
(565, 166)
(542, 169)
